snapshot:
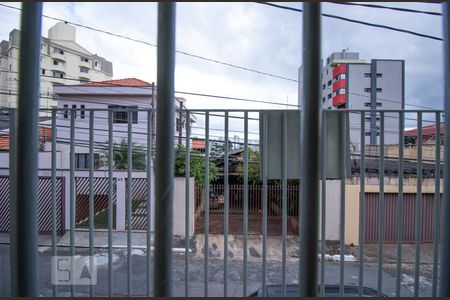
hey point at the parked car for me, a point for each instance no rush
(330, 291)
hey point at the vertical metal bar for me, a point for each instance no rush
(26, 213)
(310, 133)
(418, 212)
(245, 202)
(444, 285)
(164, 171)
(362, 204)
(324, 203)
(54, 248)
(13, 197)
(130, 199)
(381, 209)
(343, 158)
(206, 202)
(284, 204)
(91, 198)
(72, 197)
(437, 203)
(227, 206)
(265, 200)
(149, 197)
(401, 147)
(110, 201)
(186, 214)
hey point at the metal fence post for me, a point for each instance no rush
(444, 286)
(310, 137)
(164, 171)
(27, 152)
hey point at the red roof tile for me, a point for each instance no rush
(4, 142)
(198, 144)
(133, 82)
(429, 130)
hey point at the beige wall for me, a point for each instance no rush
(352, 191)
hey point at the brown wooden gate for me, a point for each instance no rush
(390, 217)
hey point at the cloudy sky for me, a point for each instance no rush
(254, 36)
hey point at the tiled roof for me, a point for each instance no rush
(198, 144)
(133, 82)
(45, 135)
(4, 142)
(429, 130)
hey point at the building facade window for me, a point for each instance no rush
(339, 77)
(367, 90)
(120, 115)
(323, 86)
(84, 59)
(379, 75)
(82, 112)
(82, 160)
(58, 50)
(329, 96)
(379, 89)
(43, 71)
(329, 82)
(57, 74)
(84, 70)
(367, 75)
(66, 111)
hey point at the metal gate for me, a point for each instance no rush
(390, 217)
(44, 205)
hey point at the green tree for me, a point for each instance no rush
(197, 165)
(253, 166)
(120, 156)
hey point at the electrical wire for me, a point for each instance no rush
(357, 21)
(390, 8)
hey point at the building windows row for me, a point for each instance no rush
(57, 74)
(370, 75)
(84, 69)
(323, 86)
(368, 104)
(368, 90)
(58, 50)
(120, 115)
(340, 91)
(329, 82)
(329, 96)
(57, 62)
(82, 111)
(339, 77)
(84, 59)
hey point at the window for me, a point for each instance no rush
(329, 82)
(323, 99)
(340, 91)
(339, 77)
(57, 74)
(84, 59)
(82, 160)
(97, 64)
(43, 71)
(323, 86)
(329, 96)
(82, 112)
(57, 62)
(379, 75)
(66, 112)
(58, 50)
(379, 104)
(367, 90)
(367, 75)
(379, 89)
(367, 104)
(10, 67)
(120, 115)
(84, 70)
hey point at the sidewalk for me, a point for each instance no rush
(119, 240)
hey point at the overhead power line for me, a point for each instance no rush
(433, 13)
(357, 21)
(155, 45)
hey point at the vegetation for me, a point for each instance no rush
(197, 165)
(120, 156)
(253, 166)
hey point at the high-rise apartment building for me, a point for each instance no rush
(349, 82)
(63, 61)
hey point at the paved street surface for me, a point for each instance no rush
(196, 268)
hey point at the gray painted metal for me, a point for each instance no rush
(110, 201)
(245, 230)
(164, 171)
(323, 202)
(226, 208)
(381, 209)
(343, 171)
(401, 145)
(26, 212)
(91, 199)
(362, 205)
(444, 286)
(373, 101)
(284, 154)
(54, 249)
(437, 205)
(13, 196)
(265, 205)
(186, 214)
(310, 133)
(149, 193)
(206, 203)
(418, 214)
(72, 197)
(130, 198)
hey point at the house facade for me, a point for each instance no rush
(119, 96)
